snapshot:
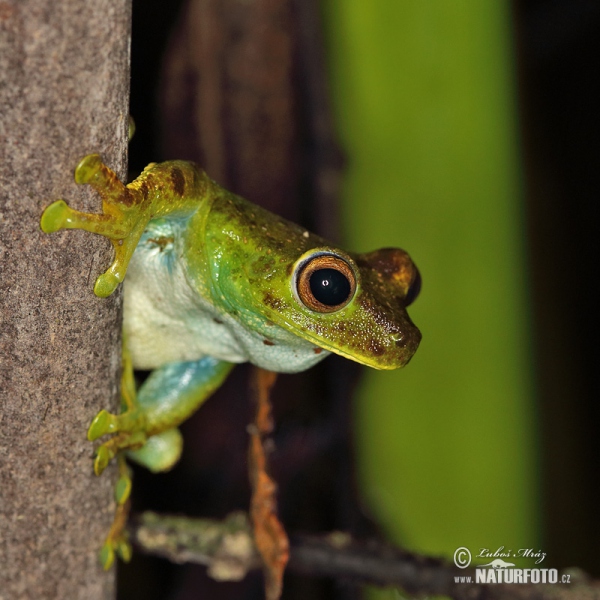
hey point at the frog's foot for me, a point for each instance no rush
(123, 220)
(117, 540)
(129, 431)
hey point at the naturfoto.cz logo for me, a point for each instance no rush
(499, 570)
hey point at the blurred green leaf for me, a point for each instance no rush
(424, 94)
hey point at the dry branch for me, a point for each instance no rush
(227, 548)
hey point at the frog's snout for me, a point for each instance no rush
(409, 342)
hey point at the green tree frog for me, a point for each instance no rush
(213, 280)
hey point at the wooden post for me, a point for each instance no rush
(64, 93)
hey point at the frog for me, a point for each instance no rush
(211, 280)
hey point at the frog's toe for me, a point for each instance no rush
(107, 555)
(106, 284)
(103, 423)
(87, 168)
(54, 217)
(120, 547)
(103, 457)
(124, 550)
(107, 451)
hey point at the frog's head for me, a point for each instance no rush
(350, 304)
(269, 272)
(355, 304)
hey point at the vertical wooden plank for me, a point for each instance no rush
(64, 77)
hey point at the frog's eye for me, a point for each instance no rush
(413, 289)
(325, 283)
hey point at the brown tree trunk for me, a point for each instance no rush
(64, 76)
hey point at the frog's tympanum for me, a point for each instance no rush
(213, 280)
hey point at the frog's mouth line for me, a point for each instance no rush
(359, 359)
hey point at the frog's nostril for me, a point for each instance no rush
(401, 343)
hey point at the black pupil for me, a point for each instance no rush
(329, 287)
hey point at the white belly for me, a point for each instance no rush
(165, 320)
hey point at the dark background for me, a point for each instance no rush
(558, 50)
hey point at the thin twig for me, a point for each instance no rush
(270, 538)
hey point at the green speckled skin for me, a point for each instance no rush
(254, 282)
(214, 281)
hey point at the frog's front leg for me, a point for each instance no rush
(161, 190)
(118, 223)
